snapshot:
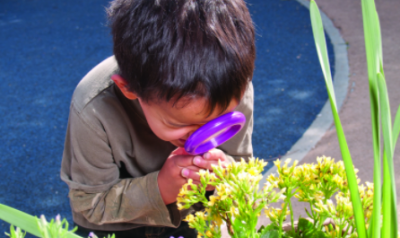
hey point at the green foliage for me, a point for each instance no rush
(384, 201)
(320, 43)
(270, 234)
(56, 228)
(16, 233)
(238, 201)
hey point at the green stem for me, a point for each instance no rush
(313, 213)
(280, 227)
(339, 232)
(386, 205)
(321, 222)
(347, 229)
(281, 220)
(291, 209)
(331, 227)
(342, 228)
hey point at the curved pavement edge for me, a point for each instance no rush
(324, 119)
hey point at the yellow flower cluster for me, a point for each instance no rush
(276, 214)
(205, 226)
(312, 182)
(186, 195)
(317, 183)
(236, 198)
(238, 202)
(343, 209)
(287, 178)
(367, 198)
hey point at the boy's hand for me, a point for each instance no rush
(174, 174)
(210, 158)
(181, 166)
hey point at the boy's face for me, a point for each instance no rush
(176, 122)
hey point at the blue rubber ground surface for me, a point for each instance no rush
(47, 46)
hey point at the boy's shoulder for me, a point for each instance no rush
(95, 81)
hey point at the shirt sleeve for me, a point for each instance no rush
(97, 192)
(240, 146)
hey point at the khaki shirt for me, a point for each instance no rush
(112, 158)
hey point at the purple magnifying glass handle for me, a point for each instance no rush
(215, 133)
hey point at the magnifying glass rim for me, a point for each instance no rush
(226, 121)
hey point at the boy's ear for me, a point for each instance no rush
(122, 84)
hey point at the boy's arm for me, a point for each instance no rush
(122, 204)
(240, 145)
(96, 191)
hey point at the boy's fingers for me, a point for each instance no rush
(184, 160)
(204, 163)
(190, 174)
(214, 154)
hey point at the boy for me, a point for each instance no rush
(177, 64)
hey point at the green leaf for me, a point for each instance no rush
(396, 127)
(304, 225)
(320, 43)
(386, 199)
(374, 57)
(319, 37)
(307, 230)
(239, 228)
(308, 213)
(389, 222)
(270, 234)
(318, 234)
(291, 233)
(269, 227)
(23, 220)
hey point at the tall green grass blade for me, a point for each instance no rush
(386, 118)
(318, 31)
(378, 95)
(372, 36)
(320, 43)
(396, 128)
(388, 219)
(377, 200)
(23, 220)
(374, 55)
(386, 200)
(395, 136)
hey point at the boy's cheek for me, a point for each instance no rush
(172, 135)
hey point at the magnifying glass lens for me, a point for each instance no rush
(215, 132)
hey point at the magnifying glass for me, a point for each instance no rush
(215, 133)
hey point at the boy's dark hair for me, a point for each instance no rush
(169, 49)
